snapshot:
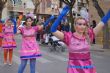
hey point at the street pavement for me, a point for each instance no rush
(56, 62)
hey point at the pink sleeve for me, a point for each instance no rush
(36, 28)
(67, 37)
(91, 34)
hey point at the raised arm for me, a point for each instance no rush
(15, 27)
(18, 31)
(102, 23)
(46, 22)
(54, 30)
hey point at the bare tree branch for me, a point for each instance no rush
(70, 4)
(2, 4)
(3, 1)
(36, 4)
(87, 1)
(106, 31)
(99, 9)
(64, 2)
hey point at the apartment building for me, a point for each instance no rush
(17, 7)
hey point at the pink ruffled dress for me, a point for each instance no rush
(8, 41)
(30, 48)
(79, 54)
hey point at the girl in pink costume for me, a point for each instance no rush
(30, 49)
(8, 42)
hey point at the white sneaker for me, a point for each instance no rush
(4, 63)
(10, 64)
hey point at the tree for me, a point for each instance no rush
(36, 4)
(106, 29)
(70, 3)
(2, 5)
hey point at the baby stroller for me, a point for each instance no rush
(56, 44)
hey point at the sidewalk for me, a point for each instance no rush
(94, 48)
(99, 48)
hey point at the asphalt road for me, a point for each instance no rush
(54, 62)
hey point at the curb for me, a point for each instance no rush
(96, 47)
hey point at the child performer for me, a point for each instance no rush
(8, 42)
(30, 49)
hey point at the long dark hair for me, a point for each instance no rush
(31, 19)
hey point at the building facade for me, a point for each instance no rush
(48, 7)
(17, 7)
(105, 5)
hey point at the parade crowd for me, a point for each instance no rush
(33, 30)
